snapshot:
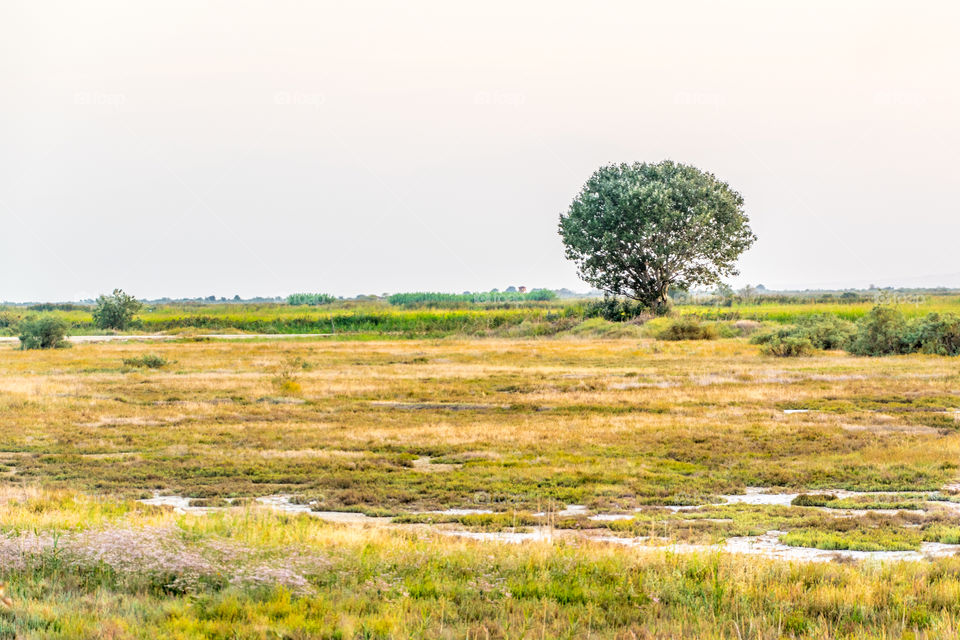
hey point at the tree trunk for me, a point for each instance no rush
(662, 305)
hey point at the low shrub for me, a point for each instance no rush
(43, 332)
(686, 329)
(823, 331)
(813, 500)
(146, 361)
(285, 381)
(883, 331)
(788, 347)
(826, 331)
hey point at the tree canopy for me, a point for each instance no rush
(638, 229)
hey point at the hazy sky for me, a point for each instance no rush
(261, 148)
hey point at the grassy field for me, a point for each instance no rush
(629, 428)
(789, 312)
(373, 319)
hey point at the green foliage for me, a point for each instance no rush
(146, 361)
(56, 306)
(636, 230)
(881, 332)
(686, 328)
(788, 347)
(855, 538)
(813, 500)
(826, 331)
(615, 309)
(310, 299)
(820, 331)
(115, 311)
(8, 322)
(427, 299)
(43, 332)
(937, 334)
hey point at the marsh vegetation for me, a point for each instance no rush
(451, 444)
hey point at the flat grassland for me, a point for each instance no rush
(433, 442)
(376, 319)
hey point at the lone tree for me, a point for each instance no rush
(115, 311)
(638, 229)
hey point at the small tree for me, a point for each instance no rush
(638, 229)
(43, 332)
(116, 311)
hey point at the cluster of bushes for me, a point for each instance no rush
(616, 310)
(883, 331)
(427, 299)
(310, 299)
(48, 331)
(43, 332)
(886, 331)
(822, 331)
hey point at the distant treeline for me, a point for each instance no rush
(58, 306)
(311, 299)
(427, 299)
(726, 297)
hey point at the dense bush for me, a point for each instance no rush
(8, 322)
(43, 332)
(115, 311)
(937, 334)
(822, 331)
(615, 309)
(312, 299)
(881, 332)
(148, 361)
(826, 331)
(686, 329)
(788, 346)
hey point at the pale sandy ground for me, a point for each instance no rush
(767, 545)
